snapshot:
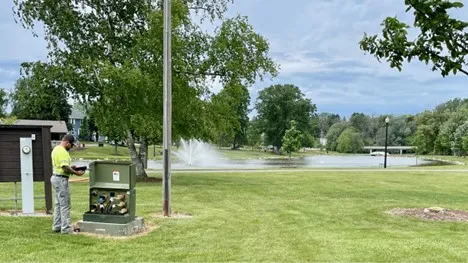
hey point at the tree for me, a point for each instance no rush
(424, 146)
(232, 109)
(350, 141)
(359, 121)
(110, 52)
(8, 120)
(460, 143)
(292, 139)
(277, 106)
(308, 140)
(3, 102)
(442, 39)
(452, 105)
(38, 97)
(325, 121)
(400, 131)
(446, 138)
(254, 133)
(334, 133)
(84, 129)
(427, 131)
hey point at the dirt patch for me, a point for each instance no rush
(79, 180)
(148, 227)
(174, 215)
(435, 214)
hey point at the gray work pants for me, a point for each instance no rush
(62, 219)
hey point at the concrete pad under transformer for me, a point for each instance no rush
(112, 229)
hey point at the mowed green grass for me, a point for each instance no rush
(265, 216)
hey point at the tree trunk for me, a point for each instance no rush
(141, 173)
(115, 148)
(143, 152)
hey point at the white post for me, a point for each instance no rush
(27, 180)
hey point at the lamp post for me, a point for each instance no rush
(387, 120)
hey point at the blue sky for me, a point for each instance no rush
(316, 44)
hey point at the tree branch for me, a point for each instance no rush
(429, 18)
(444, 59)
(449, 35)
(214, 73)
(199, 8)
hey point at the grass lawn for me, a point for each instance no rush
(463, 160)
(281, 216)
(106, 152)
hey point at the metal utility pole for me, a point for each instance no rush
(167, 109)
(387, 120)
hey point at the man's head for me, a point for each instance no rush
(68, 141)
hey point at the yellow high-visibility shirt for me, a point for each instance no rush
(60, 157)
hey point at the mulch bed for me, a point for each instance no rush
(427, 214)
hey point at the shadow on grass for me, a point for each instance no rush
(433, 163)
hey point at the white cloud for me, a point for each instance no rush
(7, 72)
(316, 43)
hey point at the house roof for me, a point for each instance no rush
(76, 114)
(57, 126)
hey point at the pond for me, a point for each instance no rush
(318, 161)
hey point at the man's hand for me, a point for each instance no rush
(70, 170)
(73, 167)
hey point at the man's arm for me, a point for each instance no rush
(69, 170)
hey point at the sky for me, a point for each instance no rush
(316, 45)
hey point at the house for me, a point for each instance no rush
(76, 119)
(58, 130)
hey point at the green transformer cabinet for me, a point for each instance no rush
(112, 195)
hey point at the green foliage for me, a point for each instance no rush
(308, 140)
(442, 39)
(371, 130)
(277, 106)
(8, 120)
(292, 139)
(84, 129)
(359, 121)
(436, 130)
(3, 102)
(446, 138)
(231, 107)
(460, 140)
(112, 57)
(350, 141)
(325, 121)
(37, 96)
(254, 133)
(333, 133)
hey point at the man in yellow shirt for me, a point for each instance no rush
(62, 170)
